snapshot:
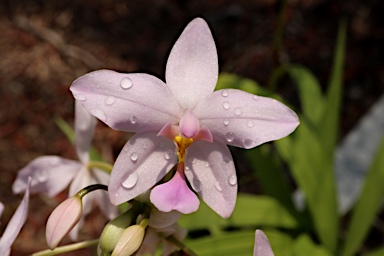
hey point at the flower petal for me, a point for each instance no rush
(85, 125)
(262, 246)
(189, 125)
(175, 195)
(16, 223)
(50, 175)
(210, 171)
(192, 66)
(1, 208)
(127, 102)
(144, 160)
(160, 219)
(245, 120)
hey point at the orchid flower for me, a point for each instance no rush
(181, 122)
(15, 224)
(262, 246)
(52, 174)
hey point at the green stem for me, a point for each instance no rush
(278, 40)
(67, 248)
(182, 246)
(100, 165)
(91, 188)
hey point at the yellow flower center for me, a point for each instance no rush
(182, 145)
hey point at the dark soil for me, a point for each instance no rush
(45, 45)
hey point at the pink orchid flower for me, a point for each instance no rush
(52, 174)
(15, 224)
(262, 246)
(182, 121)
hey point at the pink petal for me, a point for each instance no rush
(85, 125)
(50, 175)
(210, 171)
(262, 246)
(127, 102)
(189, 125)
(192, 66)
(144, 160)
(15, 224)
(175, 195)
(1, 208)
(245, 120)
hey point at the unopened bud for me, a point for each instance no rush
(62, 220)
(131, 240)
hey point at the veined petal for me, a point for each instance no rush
(262, 246)
(210, 171)
(15, 224)
(245, 120)
(175, 195)
(50, 175)
(85, 125)
(143, 161)
(192, 66)
(127, 102)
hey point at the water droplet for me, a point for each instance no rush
(226, 121)
(187, 169)
(126, 83)
(232, 180)
(249, 143)
(79, 96)
(133, 119)
(226, 160)
(134, 156)
(237, 111)
(255, 97)
(167, 155)
(91, 75)
(218, 187)
(230, 136)
(99, 114)
(226, 105)
(193, 161)
(250, 124)
(224, 93)
(131, 181)
(196, 185)
(206, 164)
(42, 176)
(144, 146)
(109, 100)
(54, 161)
(109, 80)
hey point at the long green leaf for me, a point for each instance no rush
(304, 246)
(368, 204)
(250, 211)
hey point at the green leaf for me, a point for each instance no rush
(304, 246)
(312, 100)
(250, 210)
(376, 252)
(368, 204)
(314, 175)
(330, 120)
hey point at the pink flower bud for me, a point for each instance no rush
(62, 220)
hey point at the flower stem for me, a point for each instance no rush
(101, 165)
(91, 188)
(67, 248)
(182, 246)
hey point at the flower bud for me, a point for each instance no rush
(130, 241)
(113, 231)
(62, 220)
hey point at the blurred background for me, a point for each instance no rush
(46, 45)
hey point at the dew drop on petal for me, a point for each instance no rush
(206, 164)
(54, 161)
(249, 143)
(98, 113)
(196, 185)
(131, 181)
(232, 180)
(218, 187)
(109, 80)
(42, 176)
(133, 119)
(79, 96)
(226, 105)
(250, 124)
(255, 97)
(237, 111)
(91, 75)
(230, 136)
(226, 122)
(187, 169)
(126, 83)
(167, 155)
(109, 100)
(145, 146)
(134, 156)
(224, 93)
